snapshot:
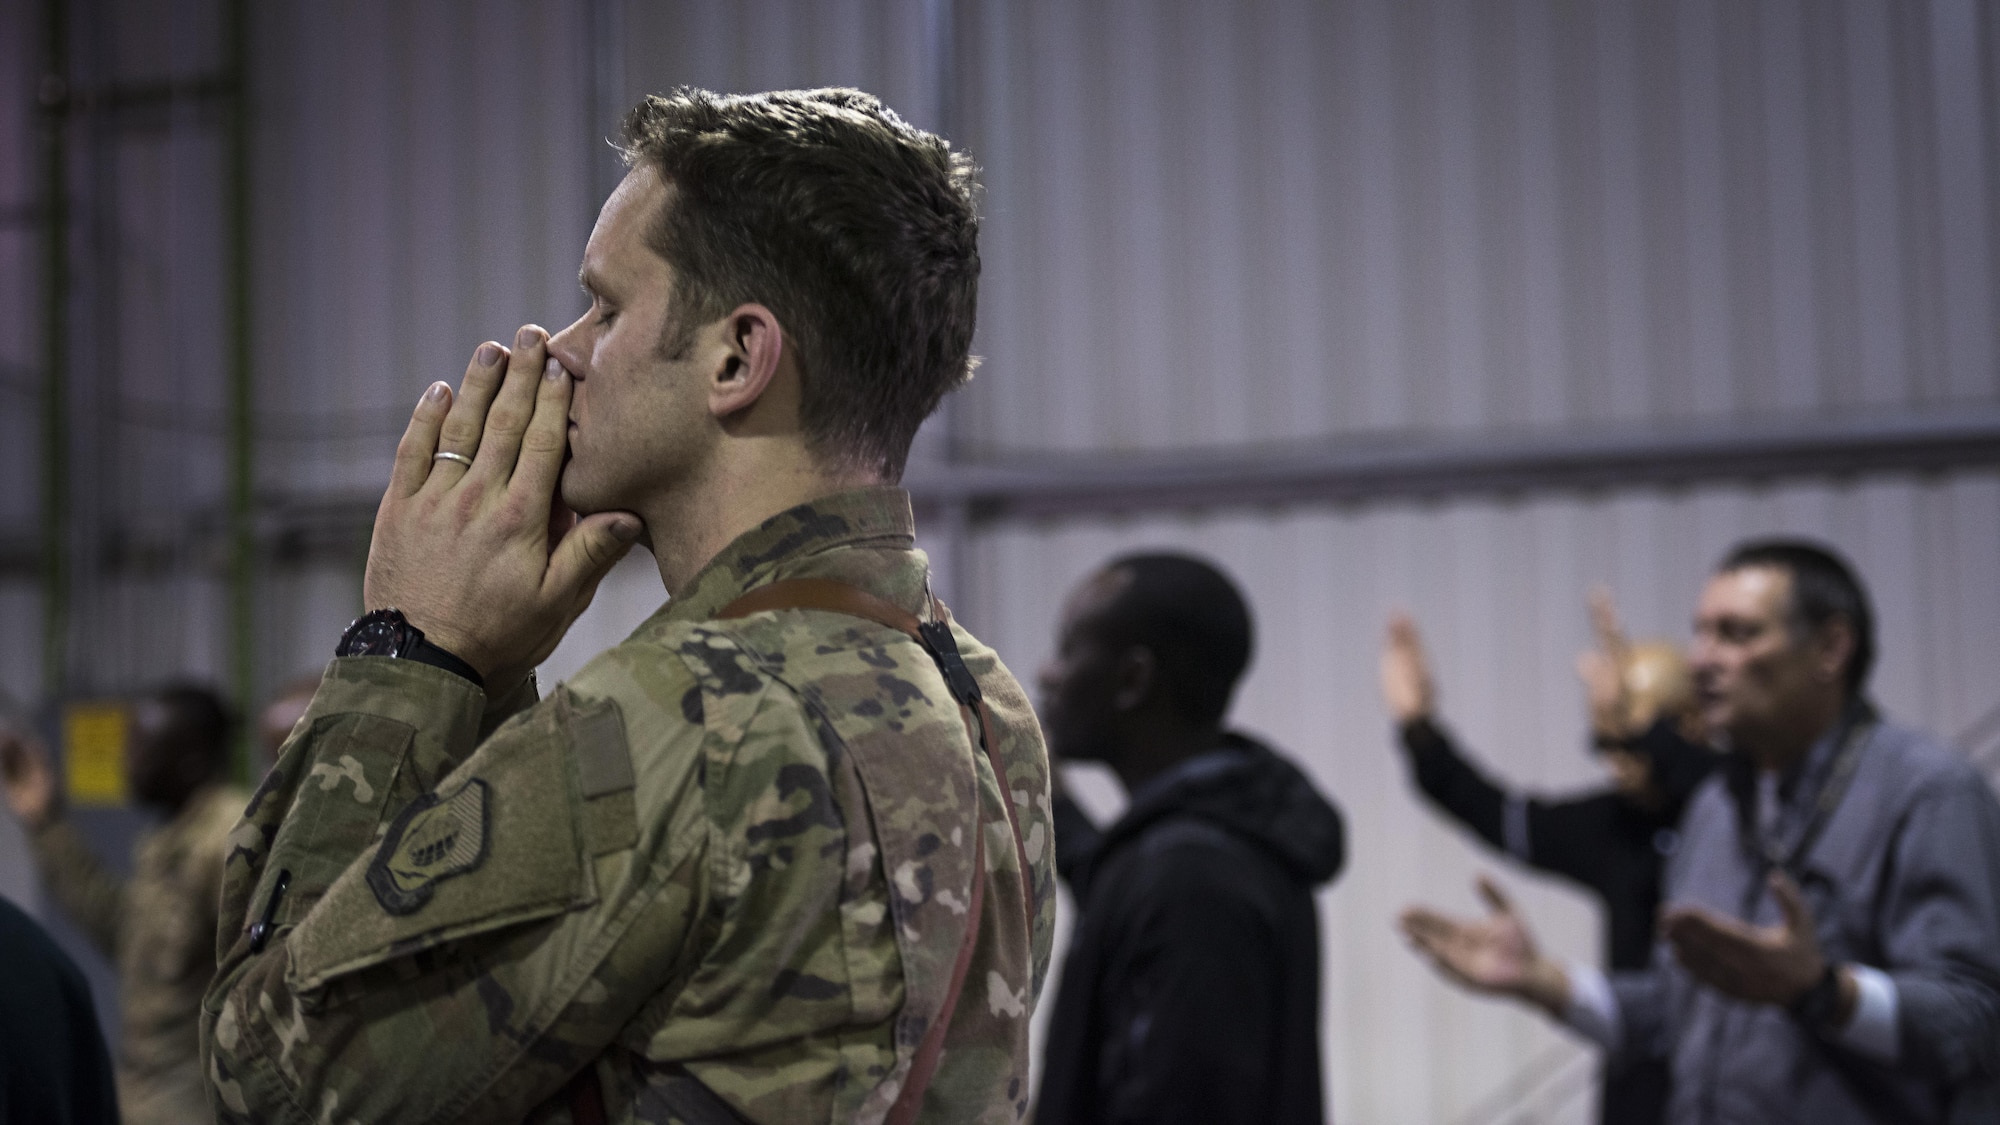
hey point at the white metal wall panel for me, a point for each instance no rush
(1498, 589)
(422, 184)
(882, 46)
(1214, 223)
(302, 611)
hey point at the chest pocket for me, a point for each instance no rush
(499, 843)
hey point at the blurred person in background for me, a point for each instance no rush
(54, 1069)
(158, 926)
(280, 714)
(1612, 841)
(1831, 943)
(1191, 989)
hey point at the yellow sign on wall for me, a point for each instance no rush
(94, 737)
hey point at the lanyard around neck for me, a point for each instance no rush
(1767, 853)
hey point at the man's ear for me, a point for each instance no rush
(1833, 647)
(753, 348)
(1137, 669)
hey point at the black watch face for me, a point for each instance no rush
(377, 634)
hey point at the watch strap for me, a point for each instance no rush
(1816, 1006)
(424, 652)
(402, 641)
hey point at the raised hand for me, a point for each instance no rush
(483, 557)
(1495, 954)
(1602, 669)
(1406, 678)
(29, 781)
(1604, 622)
(1762, 964)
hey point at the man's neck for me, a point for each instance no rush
(688, 528)
(1160, 748)
(1780, 749)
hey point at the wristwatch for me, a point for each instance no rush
(386, 632)
(1816, 1006)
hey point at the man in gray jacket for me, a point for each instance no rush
(1831, 948)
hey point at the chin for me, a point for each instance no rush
(576, 497)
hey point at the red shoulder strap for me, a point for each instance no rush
(839, 597)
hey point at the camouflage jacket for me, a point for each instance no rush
(729, 860)
(158, 927)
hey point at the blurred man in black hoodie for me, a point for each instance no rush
(1191, 989)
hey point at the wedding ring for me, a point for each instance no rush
(458, 457)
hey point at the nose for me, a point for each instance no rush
(1704, 662)
(568, 348)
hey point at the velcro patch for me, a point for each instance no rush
(610, 823)
(433, 839)
(603, 761)
(603, 773)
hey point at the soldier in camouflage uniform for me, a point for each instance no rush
(730, 870)
(158, 925)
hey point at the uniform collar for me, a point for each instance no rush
(877, 516)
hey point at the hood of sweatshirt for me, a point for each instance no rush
(1256, 794)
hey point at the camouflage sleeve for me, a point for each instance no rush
(508, 704)
(379, 733)
(89, 894)
(459, 934)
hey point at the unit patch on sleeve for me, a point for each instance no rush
(433, 839)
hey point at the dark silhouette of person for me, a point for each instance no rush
(1191, 992)
(54, 1069)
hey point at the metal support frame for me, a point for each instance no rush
(55, 528)
(949, 522)
(1375, 468)
(242, 427)
(53, 548)
(958, 498)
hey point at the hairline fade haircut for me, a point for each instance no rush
(1194, 621)
(1824, 587)
(859, 231)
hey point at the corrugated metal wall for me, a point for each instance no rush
(1216, 223)
(1207, 223)
(423, 183)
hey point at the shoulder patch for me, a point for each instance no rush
(433, 839)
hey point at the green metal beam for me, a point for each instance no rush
(242, 432)
(55, 349)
